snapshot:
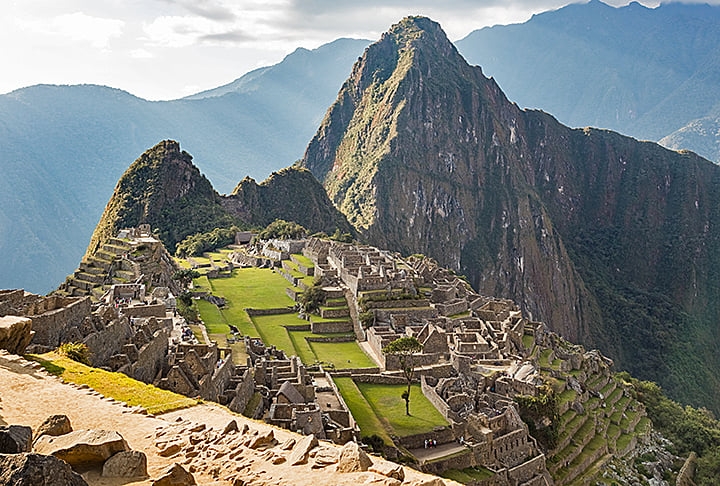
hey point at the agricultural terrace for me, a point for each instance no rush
(261, 288)
(380, 410)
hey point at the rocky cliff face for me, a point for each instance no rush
(610, 241)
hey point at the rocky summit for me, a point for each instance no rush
(611, 241)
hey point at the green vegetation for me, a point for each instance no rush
(185, 276)
(114, 385)
(197, 244)
(344, 355)
(468, 475)
(690, 429)
(404, 348)
(369, 423)
(75, 351)
(541, 415)
(379, 410)
(387, 403)
(283, 230)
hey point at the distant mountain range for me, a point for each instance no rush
(648, 73)
(651, 73)
(63, 148)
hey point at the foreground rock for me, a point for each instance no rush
(15, 439)
(126, 464)
(82, 447)
(15, 333)
(353, 459)
(175, 476)
(37, 470)
(54, 425)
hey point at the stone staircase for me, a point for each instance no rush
(100, 271)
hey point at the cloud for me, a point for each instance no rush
(232, 37)
(79, 27)
(208, 9)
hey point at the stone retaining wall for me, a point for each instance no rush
(269, 312)
(51, 322)
(331, 327)
(151, 310)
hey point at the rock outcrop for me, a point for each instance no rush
(15, 439)
(126, 464)
(54, 425)
(15, 333)
(82, 447)
(37, 470)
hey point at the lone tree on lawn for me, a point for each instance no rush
(404, 348)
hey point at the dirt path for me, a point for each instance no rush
(28, 395)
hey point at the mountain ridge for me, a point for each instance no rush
(425, 154)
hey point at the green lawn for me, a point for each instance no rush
(364, 415)
(272, 331)
(303, 260)
(213, 317)
(468, 475)
(342, 355)
(259, 288)
(388, 405)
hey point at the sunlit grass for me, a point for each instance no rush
(114, 385)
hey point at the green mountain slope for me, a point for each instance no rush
(163, 188)
(610, 241)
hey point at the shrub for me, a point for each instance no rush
(75, 351)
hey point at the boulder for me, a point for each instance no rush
(29, 469)
(175, 475)
(82, 447)
(389, 469)
(126, 464)
(353, 459)
(232, 426)
(300, 452)
(15, 333)
(54, 425)
(15, 439)
(262, 440)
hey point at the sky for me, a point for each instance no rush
(167, 49)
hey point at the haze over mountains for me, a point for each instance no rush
(51, 134)
(63, 148)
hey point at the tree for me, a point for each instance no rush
(404, 348)
(185, 276)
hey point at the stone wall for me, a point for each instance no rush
(147, 310)
(331, 327)
(438, 402)
(109, 341)
(150, 358)
(51, 322)
(11, 301)
(452, 308)
(524, 472)
(269, 312)
(379, 379)
(243, 392)
(417, 314)
(443, 435)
